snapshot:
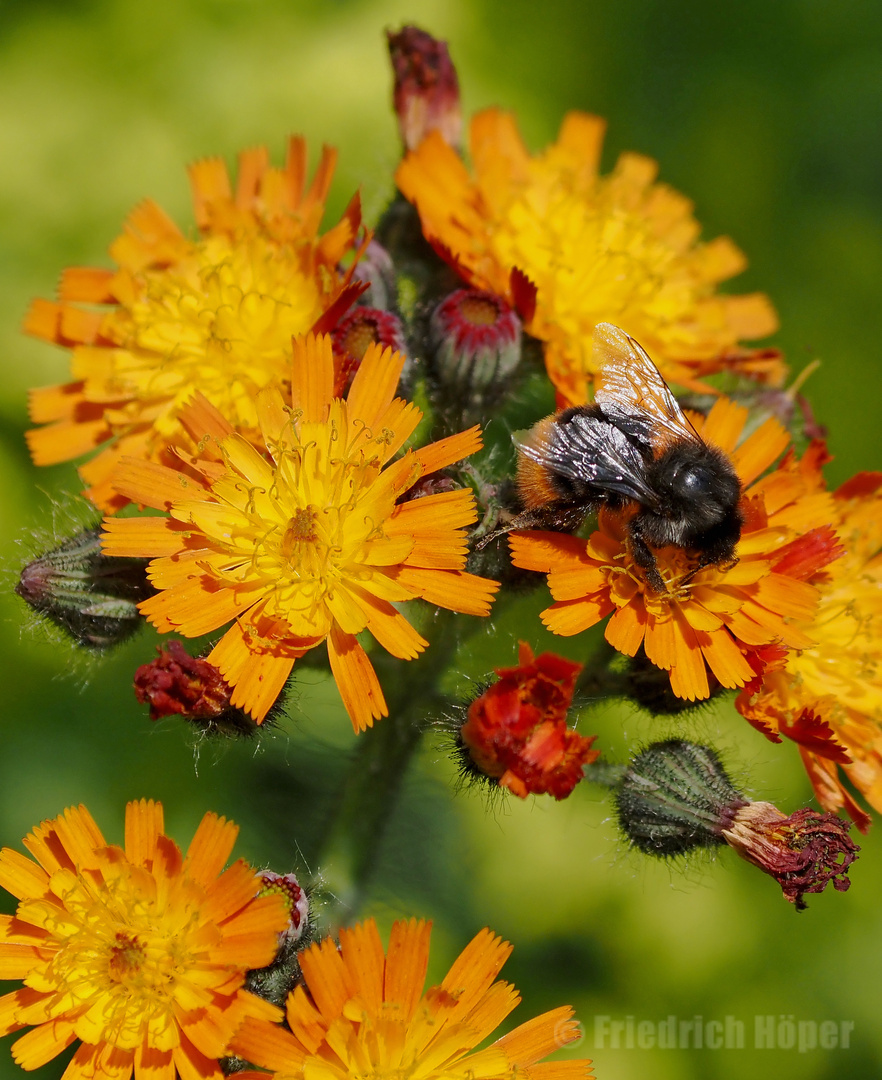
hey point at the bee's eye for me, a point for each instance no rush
(696, 481)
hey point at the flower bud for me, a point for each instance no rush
(354, 334)
(93, 597)
(297, 900)
(275, 981)
(426, 92)
(177, 684)
(516, 731)
(676, 796)
(475, 341)
(376, 269)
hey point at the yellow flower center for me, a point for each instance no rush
(120, 959)
(127, 958)
(219, 320)
(307, 535)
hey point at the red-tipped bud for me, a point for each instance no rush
(295, 897)
(475, 340)
(177, 684)
(516, 731)
(354, 335)
(426, 93)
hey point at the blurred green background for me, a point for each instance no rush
(769, 115)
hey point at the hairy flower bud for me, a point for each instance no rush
(475, 343)
(426, 93)
(354, 334)
(296, 898)
(93, 597)
(376, 269)
(275, 981)
(676, 796)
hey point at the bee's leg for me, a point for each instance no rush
(642, 555)
(558, 517)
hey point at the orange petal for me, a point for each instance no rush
(374, 385)
(356, 680)
(312, 385)
(407, 960)
(626, 629)
(569, 617)
(454, 590)
(257, 678)
(363, 956)
(438, 455)
(144, 825)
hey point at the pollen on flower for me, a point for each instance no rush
(127, 958)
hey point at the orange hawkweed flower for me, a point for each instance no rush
(215, 314)
(569, 249)
(311, 545)
(363, 1013)
(517, 729)
(827, 697)
(141, 953)
(716, 619)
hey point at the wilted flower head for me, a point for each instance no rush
(675, 796)
(178, 684)
(215, 314)
(309, 543)
(139, 953)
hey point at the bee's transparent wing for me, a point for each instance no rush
(632, 392)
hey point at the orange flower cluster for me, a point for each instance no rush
(827, 697)
(216, 313)
(517, 731)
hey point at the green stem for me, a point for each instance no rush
(371, 787)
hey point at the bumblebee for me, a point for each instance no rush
(632, 450)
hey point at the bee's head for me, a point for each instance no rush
(699, 492)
